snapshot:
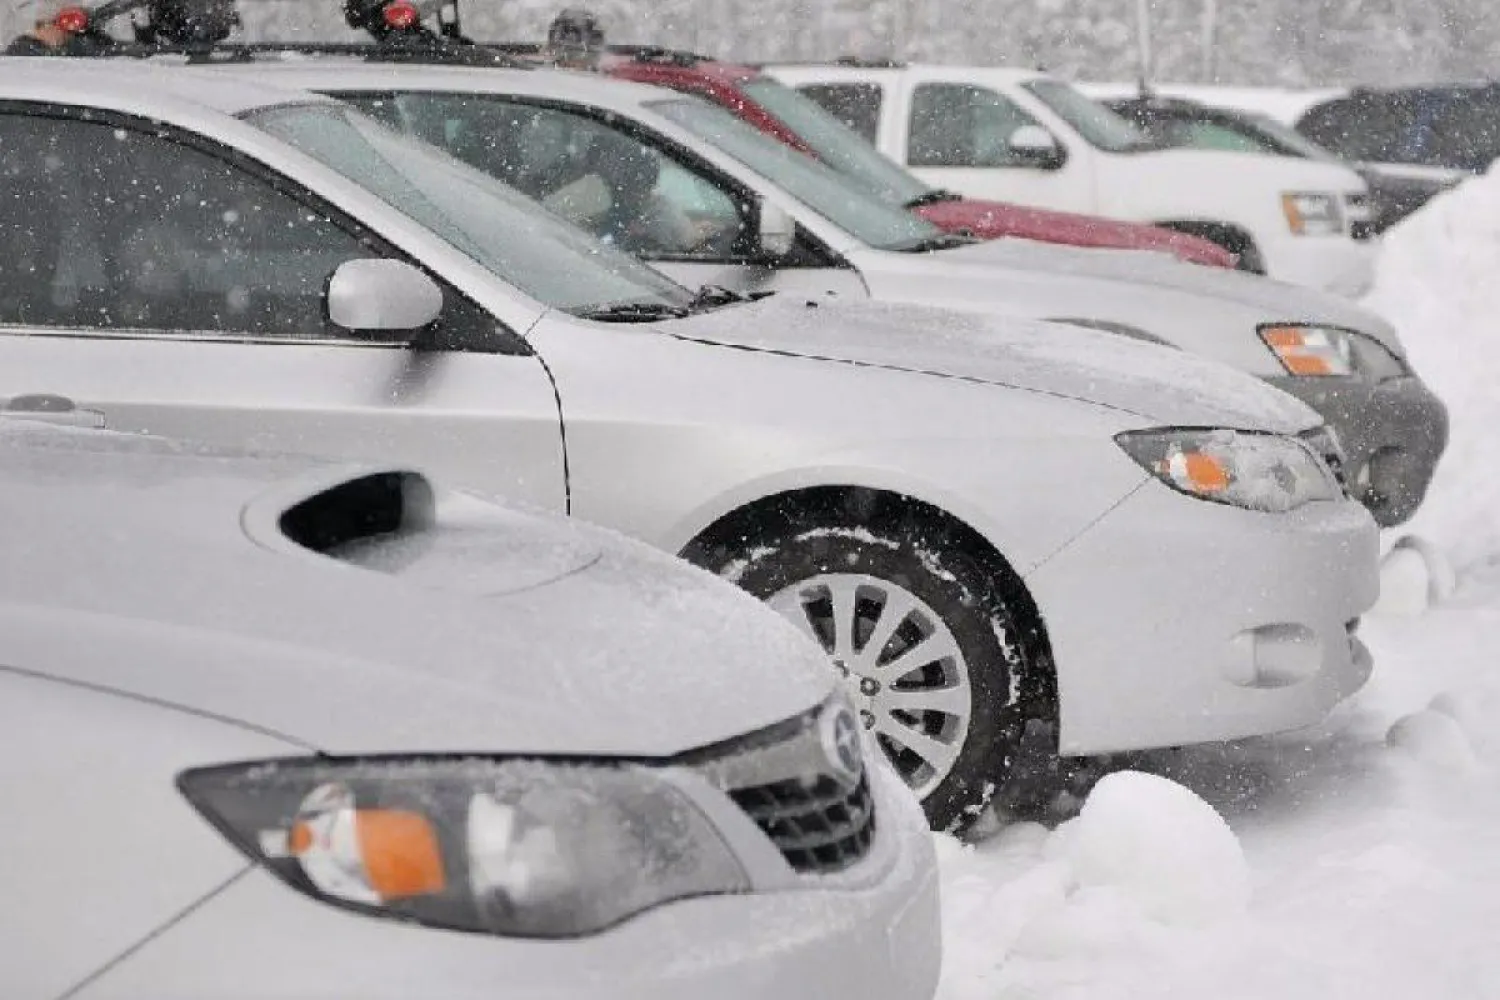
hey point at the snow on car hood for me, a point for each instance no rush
(491, 631)
(1157, 383)
(1281, 302)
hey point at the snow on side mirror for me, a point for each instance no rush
(777, 231)
(387, 299)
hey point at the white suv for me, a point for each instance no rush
(1023, 136)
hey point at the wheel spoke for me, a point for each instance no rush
(898, 607)
(790, 606)
(953, 700)
(841, 597)
(938, 755)
(937, 646)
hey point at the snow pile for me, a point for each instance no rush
(1144, 863)
(1158, 844)
(1436, 281)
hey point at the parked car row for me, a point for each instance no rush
(1003, 487)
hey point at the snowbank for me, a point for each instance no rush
(1437, 282)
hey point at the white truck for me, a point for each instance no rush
(1023, 136)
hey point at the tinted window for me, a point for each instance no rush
(1099, 126)
(141, 232)
(497, 226)
(957, 125)
(834, 143)
(617, 187)
(857, 105)
(863, 215)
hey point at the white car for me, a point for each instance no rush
(274, 728)
(1023, 136)
(579, 143)
(985, 522)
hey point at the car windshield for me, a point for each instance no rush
(1285, 139)
(498, 227)
(871, 221)
(836, 144)
(1099, 126)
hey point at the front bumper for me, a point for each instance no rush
(875, 934)
(1393, 433)
(1336, 264)
(1175, 620)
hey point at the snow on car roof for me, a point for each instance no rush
(134, 87)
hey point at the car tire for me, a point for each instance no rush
(941, 695)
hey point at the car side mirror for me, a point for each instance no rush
(1036, 147)
(387, 300)
(776, 231)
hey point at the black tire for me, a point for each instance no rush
(994, 633)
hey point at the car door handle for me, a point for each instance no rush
(52, 409)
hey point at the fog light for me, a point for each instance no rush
(1275, 656)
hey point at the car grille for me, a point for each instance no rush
(1361, 226)
(820, 817)
(819, 827)
(1323, 441)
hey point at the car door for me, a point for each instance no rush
(977, 141)
(630, 188)
(153, 280)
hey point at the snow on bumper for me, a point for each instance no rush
(1175, 620)
(873, 936)
(1331, 263)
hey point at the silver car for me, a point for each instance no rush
(986, 522)
(275, 728)
(580, 140)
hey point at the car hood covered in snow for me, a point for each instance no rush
(475, 628)
(1157, 383)
(1281, 302)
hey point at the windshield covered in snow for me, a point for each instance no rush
(500, 228)
(836, 144)
(873, 222)
(1098, 125)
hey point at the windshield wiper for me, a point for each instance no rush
(933, 197)
(942, 241)
(714, 296)
(633, 312)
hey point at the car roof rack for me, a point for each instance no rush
(870, 62)
(439, 54)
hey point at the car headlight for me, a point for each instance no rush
(1313, 213)
(527, 848)
(1264, 472)
(1326, 350)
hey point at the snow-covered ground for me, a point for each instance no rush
(1360, 860)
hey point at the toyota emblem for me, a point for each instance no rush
(838, 730)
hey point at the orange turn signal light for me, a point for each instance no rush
(397, 849)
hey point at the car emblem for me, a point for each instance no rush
(838, 731)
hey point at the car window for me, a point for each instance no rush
(1210, 135)
(143, 232)
(835, 143)
(857, 105)
(623, 190)
(958, 125)
(497, 226)
(853, 209)
(1381, 128)
(1099, 126)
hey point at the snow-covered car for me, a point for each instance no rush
(986, 522)
(251, 701)
(579, 143)
(1025, 136)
